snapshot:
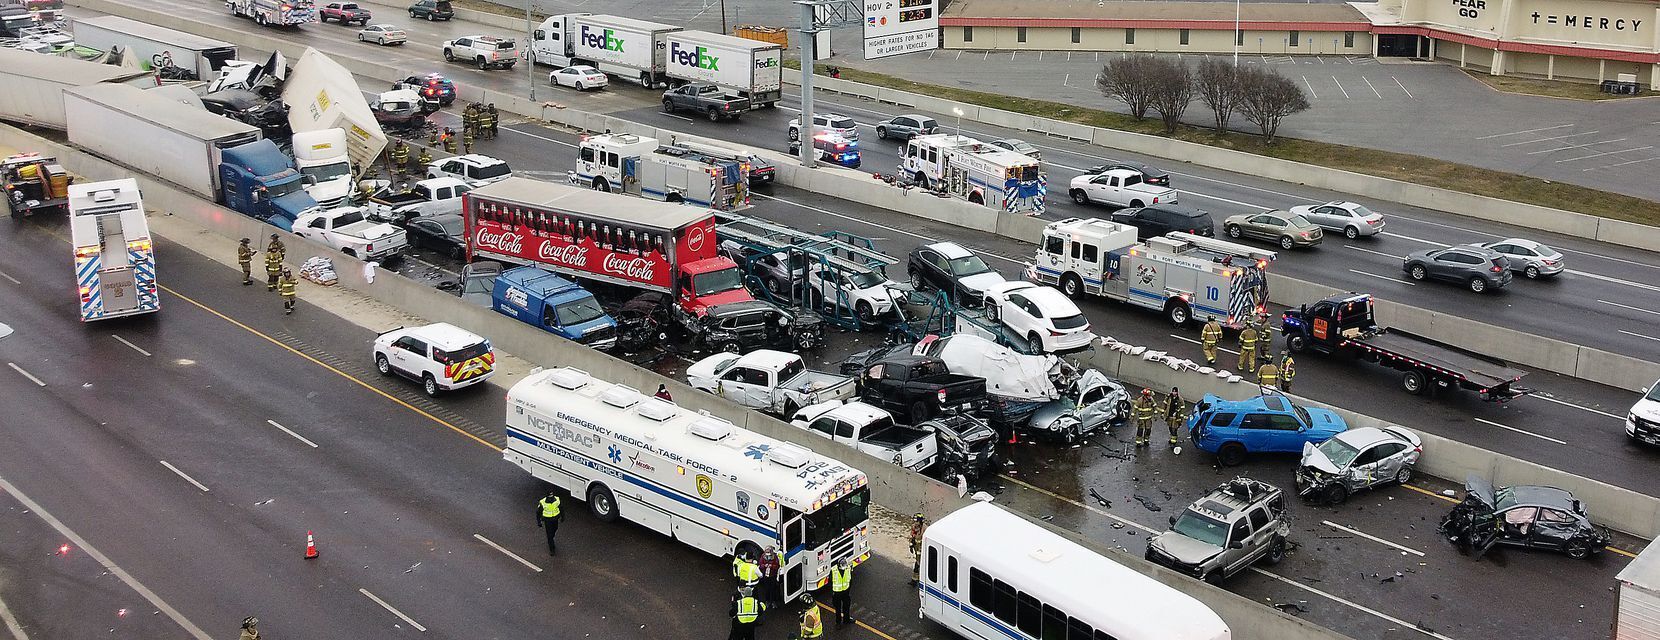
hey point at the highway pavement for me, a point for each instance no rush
(1608, 299)
(179, 460)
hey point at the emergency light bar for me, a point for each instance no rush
(1223, 246)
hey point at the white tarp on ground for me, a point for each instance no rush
(1009, 374)
(321, 94)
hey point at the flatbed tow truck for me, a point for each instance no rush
(33, 183)
(1343, 323)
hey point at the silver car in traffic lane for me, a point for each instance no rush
(1351, 219)
(1529, 258)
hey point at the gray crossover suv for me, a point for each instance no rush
(1225, 531)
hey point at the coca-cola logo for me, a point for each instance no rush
(569, 254)
(694, 239)
(505, 242)
(636, 268)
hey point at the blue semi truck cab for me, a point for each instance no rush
(259, 180)
(555, 304)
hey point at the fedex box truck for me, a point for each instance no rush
(751, 68)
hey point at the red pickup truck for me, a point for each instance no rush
(344, 13)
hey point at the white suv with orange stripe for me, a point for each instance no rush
(442, 356)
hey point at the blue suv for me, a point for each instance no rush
(1264, 424)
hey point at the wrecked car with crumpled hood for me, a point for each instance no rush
(1528, 516)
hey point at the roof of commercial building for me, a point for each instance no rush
(1092, 13)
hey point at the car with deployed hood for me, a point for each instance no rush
(1225, 531)
(1642, 422)
(1357, 459)
(1351, 218)
(1527, 516)
(1269, 423)
(1092, 402)
(948, 267)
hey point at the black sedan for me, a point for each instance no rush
(1528, 516)
(441, 233)
(1479, 268)
(948, 267)
(1149, 174)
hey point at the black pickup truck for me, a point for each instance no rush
(1343, 323)
(916, 388)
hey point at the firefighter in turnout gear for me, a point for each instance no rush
(746, 615)
(424, 160)
(1288, 370)
(1144, 410)
(918, 525)
(1265, 338)
(250, 629)
(812, 619)
(273, 262)
(287, 287)
(491, 119)
(469, 118)
(1248, 350)
(245, 258)
(449, 141)
(467, 141)
(1269, 375)
(400, 158)
(1175, 413)
(1209, 337)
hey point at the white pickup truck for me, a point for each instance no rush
(344, 228)
(428, 197)
(1119, 187)
(872, 431)
(485, 51)
(768, 380)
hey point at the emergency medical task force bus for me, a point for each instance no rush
(689, 475)
(988, 573)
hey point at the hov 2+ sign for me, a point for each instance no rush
(894, 27)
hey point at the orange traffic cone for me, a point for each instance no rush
(310, 546)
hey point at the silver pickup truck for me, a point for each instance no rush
(772, 381)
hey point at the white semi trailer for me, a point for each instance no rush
(154, 46)
(749, 68)
(633, 50)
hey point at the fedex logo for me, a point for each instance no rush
(698, 57)
(766, 63)
(606, 40)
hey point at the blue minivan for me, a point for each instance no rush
(555, 304)
(1268, 423)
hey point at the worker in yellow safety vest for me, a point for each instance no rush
(841, 581)
(548, 517)
(1144, 410)
(746, 570)
(1288, 370)
(746, 615)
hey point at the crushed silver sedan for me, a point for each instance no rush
(1357, 459)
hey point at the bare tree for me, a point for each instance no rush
(1266, 98)
(1217, 83)
(1172, 92)
(1126, 80)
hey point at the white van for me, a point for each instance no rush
(443, 357)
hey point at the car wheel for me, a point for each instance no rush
(429, 385)
(1335, 493)
(412, 15)
(730, 346)
(864, 312)
(795, 134)
(1404, 476)
(1532, 272)
(1036, 340)
(482, 63)
(774, 286)
(1072, 286)
(1478, 284)
(1351, 233)
(1413, 382)
(916, 281)
(713, 114)
(449, 56)
(1179, 314)
(360, 38)
(1214, 578)
(1276, 551)
(1417, 272)
(456, 253)
(919, 412)
(790, 407)
(382, 364)
(580, 87)
(1296, 343)
(1578, 549)
(1231, 454)
(1233, 231)
(882, 133)
(602, 503)
(1287, 243)
(668, 106)
(1079, 197)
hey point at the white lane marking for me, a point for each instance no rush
(1352, 604)
(1604, 278)
(1340, 87)
(1639, 335)
(1067, 78)
(176, 470)
(134, 346)
(11, 622)
(677, 117)
(1218, 347)
(77, 540)
(289, 432)
(543, 138)
(1521, 431)
(1391, 279)
(8, 277)
(1374, 252)
(1221, 199)
(1627, 306)
(1403, 87)
(1310, 88)
(510, 554)
(1373, 538)
(1571, 135)
(1516, 133)
(394, 611)
(1369, 84)
(1621, 164)
(873, 224)
(1576, 146)
(1607, 153)
(26, 374)
(1576, 406)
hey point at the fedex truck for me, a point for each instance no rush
(629, 49)
(115, 260)
(751, 68)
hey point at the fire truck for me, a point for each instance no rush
(1180, 274)
(638, 165)
(115, 259)
(606, 238)
(977, 172)
(276, 13)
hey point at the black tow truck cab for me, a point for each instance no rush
(1343, 323)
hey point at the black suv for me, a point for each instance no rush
(1160, 219)
(432, 10)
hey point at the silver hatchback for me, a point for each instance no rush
(1530, 258)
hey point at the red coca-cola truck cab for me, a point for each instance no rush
(617, 239)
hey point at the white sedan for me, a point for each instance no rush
(580, 77)
(1352, 219)
(382, 34)
(1044, 316)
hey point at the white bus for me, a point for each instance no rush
(689, 475)
(988, 573)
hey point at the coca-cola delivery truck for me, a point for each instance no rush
(615, 239)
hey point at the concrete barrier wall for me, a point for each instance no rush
(892, 486)
(1465, 204)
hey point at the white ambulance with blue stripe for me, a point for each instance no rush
(115, 259)
(1184, 276)
(689, 475)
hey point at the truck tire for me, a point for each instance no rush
(645, 80)
(668, 105)
(1414, 382)
(1079, 197)
(1178, 312)
(602, 503)
(1072, 286)
(975, 198)
(349, 251)
(790, 407)
(714, 114)
(921, 181)
(601, 184)
(1276, 551)
(1297, 343)
(1137, 204)
(1231, 454)
(449, 56)
(482, 63)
